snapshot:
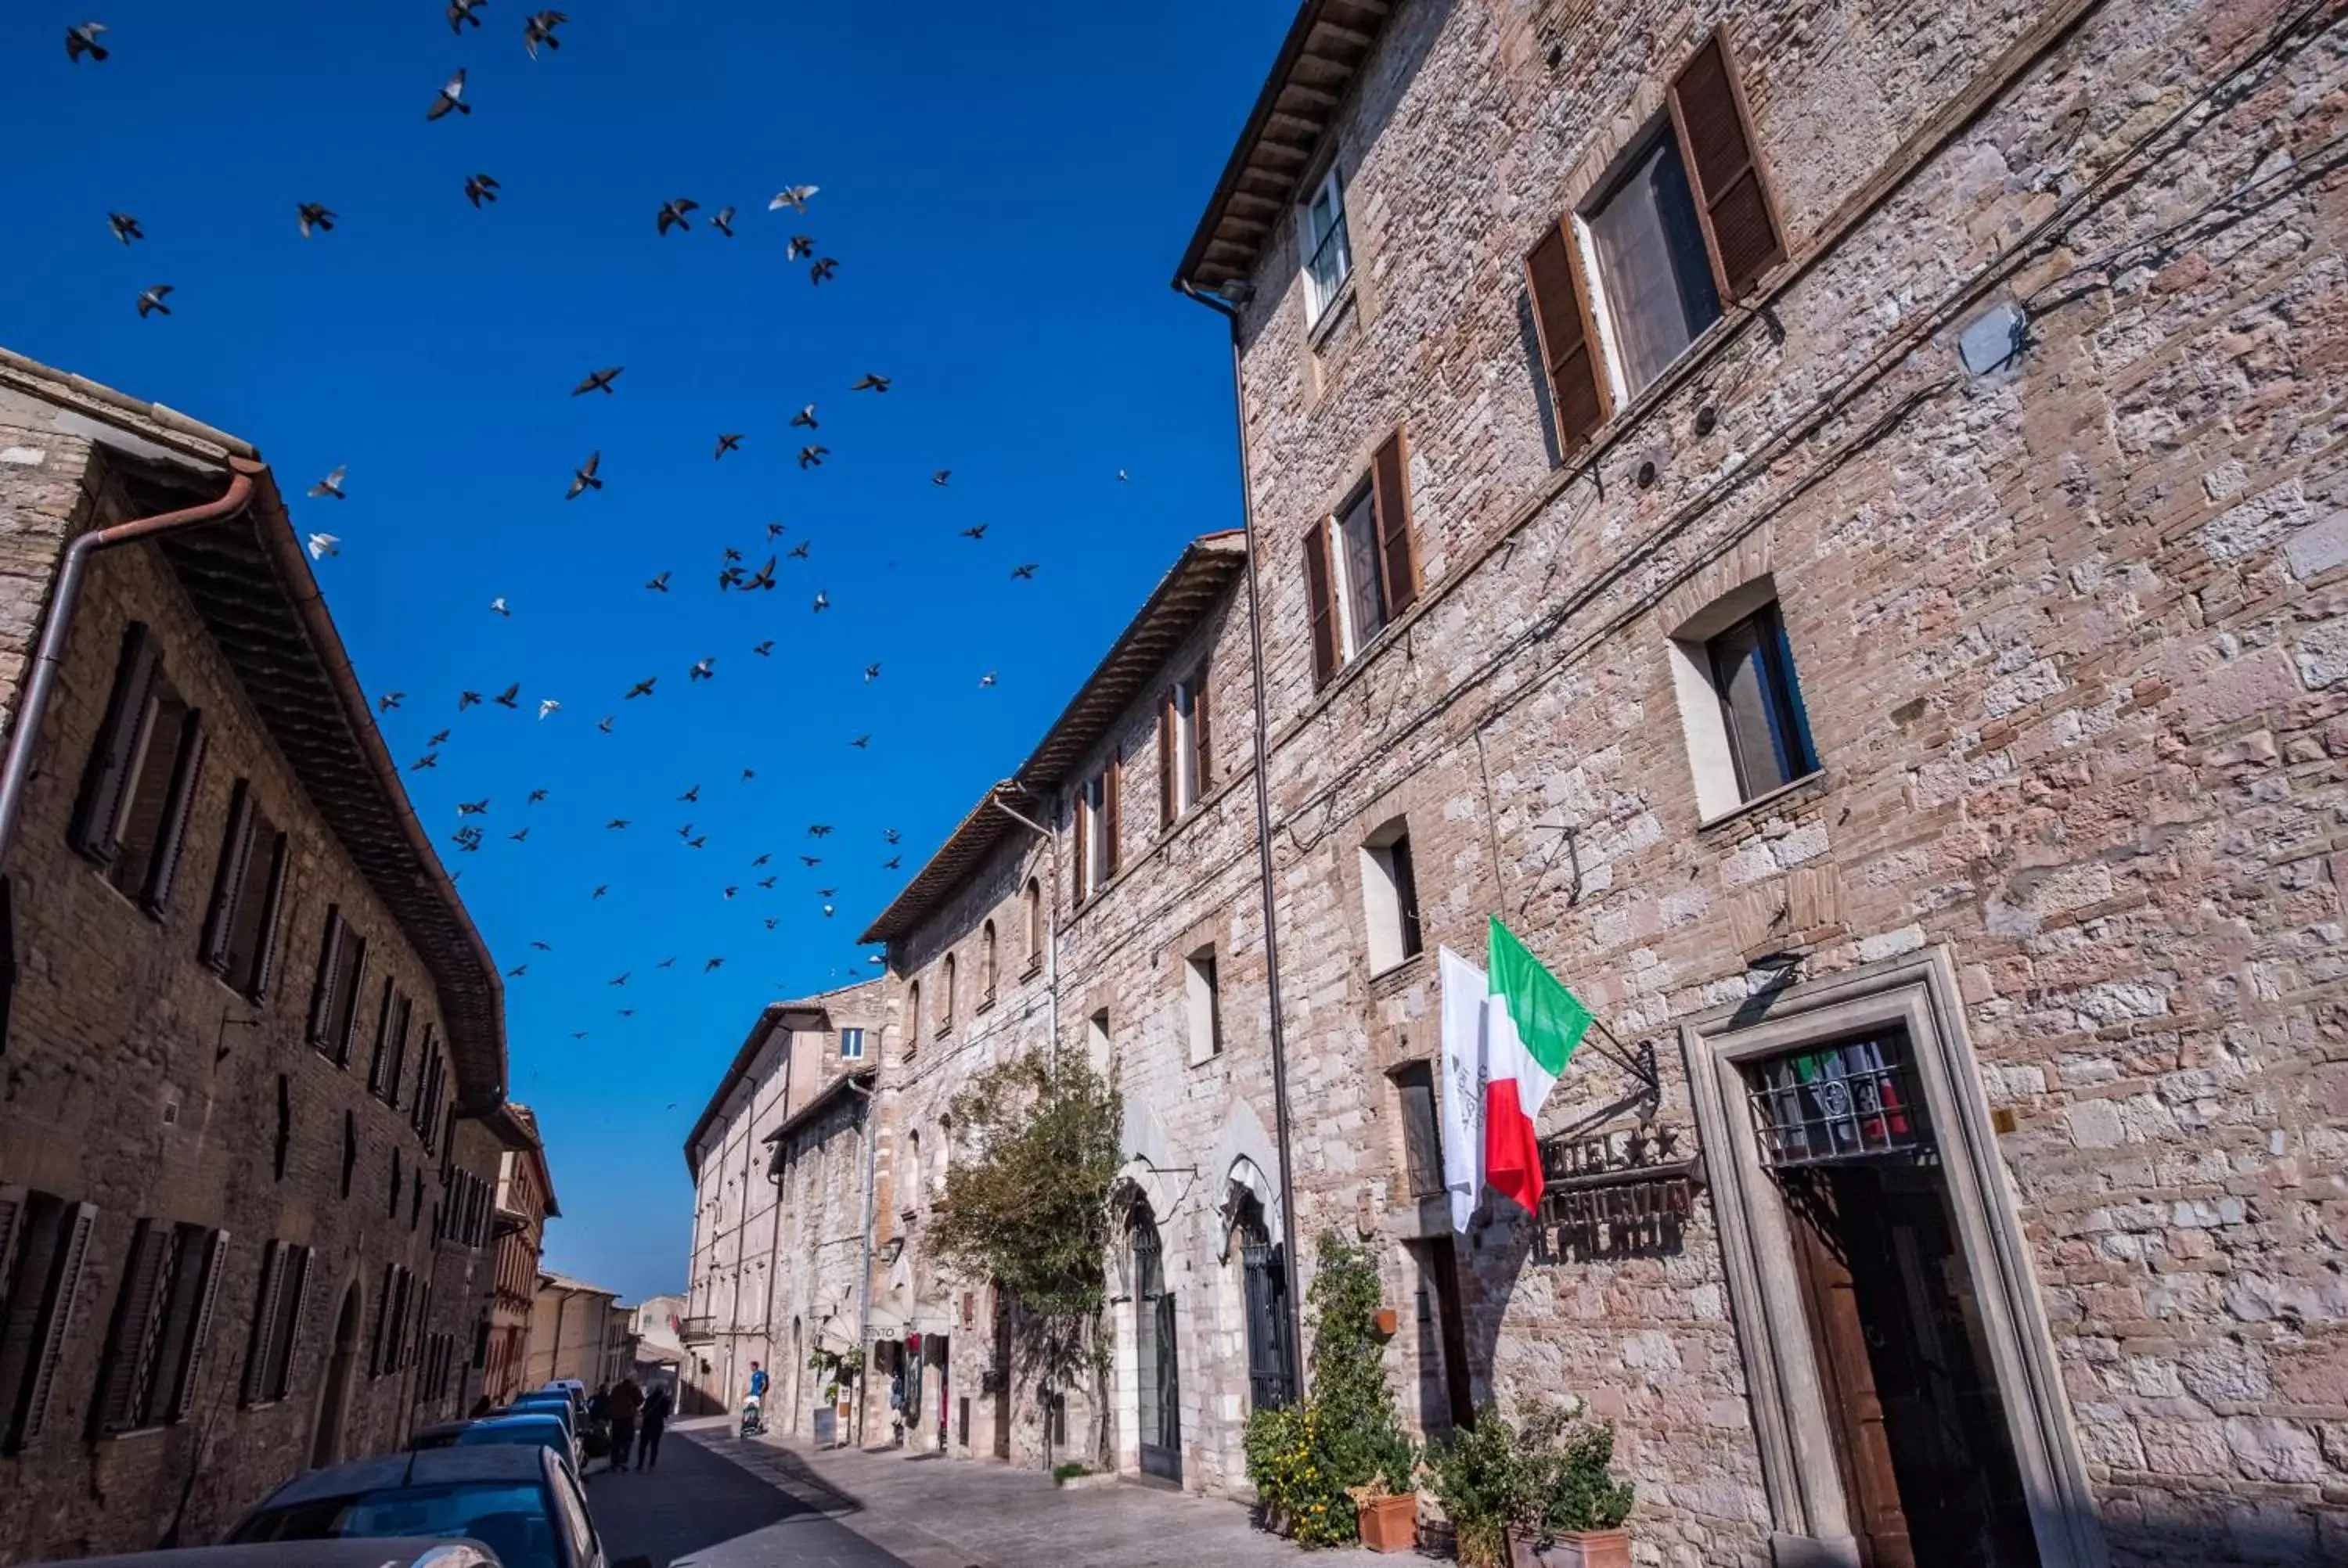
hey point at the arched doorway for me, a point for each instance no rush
(333, 1398)
(1263, 1278)
(1157, 1371)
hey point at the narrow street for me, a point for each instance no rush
(718, 1502)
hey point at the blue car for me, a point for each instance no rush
(518, 1500)
(519, 1427)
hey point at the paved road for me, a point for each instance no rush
(719, 1502)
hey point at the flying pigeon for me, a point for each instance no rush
(749, 774)
(473, 807)
(620, 979)
(730, 892)
(809, 456)
(388, 701)
(324, 545)
(826, 911)
(539, 29)
(691, 796)
(761, 860)
(468, 839)
(803, 418)
(461, 11)
(451, 96)
(536, 796)
(941, 476)
(766, 882)
(642, 688)
(986, 680)
(657, 584)
(312, 216)
(698, 842)
(151, 301)
(505, 698)
(703, 669)
(811, 861)
(497, 607)
(672, 214)
(722, 221)
(439, 740)
(799, 550)
(586, 480)
(332, 485)
(480, 188)
(599, 892)
(731, 442)
(604, 723)
(713, 964)
(765, 649)
(468, 700)
(794, 197)
(872, 674)
(802, 246)
(428, 760)
(871, 383)
(862, 743)
(772, 922)
(667, 963)
(544, 947)
(975, 531)
(548, 705)
(598, 381)
(126, 228)
(521, 836)
(775, 531)
(891, 863)
(575, 1034)
(890, 836)
(822, 270)
(83, 40)
(822, 602)
(764, 578)
(617, 822)
(819, 830)
(1024, 571)
(517, 971)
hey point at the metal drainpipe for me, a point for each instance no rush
(1263, 843)
(17, 768)
(1052, 938)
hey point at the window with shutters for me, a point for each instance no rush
(1642, 269)
(1740, 700)
(1390, 897)
(912, 1017)
(1361, 566)
(1036, 936)
(334, 998)
(1422, 1145)
(140, 784)
(153, 1370)
(1328, 249)
(350, 1150)
(382, 1072)
(947, 997)
(44, 1247)
(241, 929)
(1202, 1004)
(988, 961)
(1097, 834)
(1182, 769)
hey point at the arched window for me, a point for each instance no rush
(912, 1015)
(946, 996)
(908, 1186)
(986, 962)
(945, 1151)
(1035, 896)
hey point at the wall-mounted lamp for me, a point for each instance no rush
(892, 1249)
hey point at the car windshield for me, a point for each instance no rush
(508, 1517)
(545, 1433)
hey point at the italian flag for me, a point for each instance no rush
(1506, 1037)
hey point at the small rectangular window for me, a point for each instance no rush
(1390, 898)
(852, 1045)
(1202, 1004)
(1098, 1045)
(1760, 703)
(1654, 275)
(1182, 748)
(1422, 1146)
(1328, 249)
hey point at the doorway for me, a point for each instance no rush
(934, 1350)
(1264, 1277)
(1002, 1373)
(1920, 1432)
(333, 1398)
(1158, 1371)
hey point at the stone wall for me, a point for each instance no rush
(137, 1082)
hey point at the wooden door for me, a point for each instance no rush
(1457, 1386)
(1002, 1373)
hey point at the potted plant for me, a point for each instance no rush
(1386, 1506)
(1542, 1495)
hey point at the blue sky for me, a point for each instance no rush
(1007, 191)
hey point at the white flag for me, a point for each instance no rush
(1464, 1071)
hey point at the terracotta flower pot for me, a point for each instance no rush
(1390, 1523)
(1387, 1321)
(1572, 1549)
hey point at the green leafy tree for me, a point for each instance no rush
(1027, 1205)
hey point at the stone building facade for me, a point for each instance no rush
(250, 1037)
(523, 1202)
(575, 1331)
(794, 1055)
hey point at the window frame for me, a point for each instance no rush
(251, 877)
(1789, 737)
(1202, 1004)
(1321, 299)
(1393, 921)
(1337, 641)
(1183, 759)
(1716, 769)
(1605, 313)
(851, 1034)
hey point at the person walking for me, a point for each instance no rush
(623, 1405)
(655, 1421)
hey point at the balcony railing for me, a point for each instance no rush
(696, 1330)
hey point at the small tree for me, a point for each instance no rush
(1027, 1205)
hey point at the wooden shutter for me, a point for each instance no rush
(266, 924)
(266, 1294)
(1166, 761)
(1113, 794)
(1717, 142)
(1198, 733)
(236, 850)
(13, 1202)
(381, 1058)
(1561, 320)
(282, 1350)
(73, 1256)
(110, 765)
(1323, 606)
(382, 1342)
(1083, 858)
(192, 1364)
(1390, 485)
(145, 1275)
(187, 772)
(322, 996)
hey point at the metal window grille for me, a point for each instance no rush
(1854, 1100)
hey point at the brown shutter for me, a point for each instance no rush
(73, 1232)
(1561, 319)
(1390, 482)
(1084, 882)
(1717, 142)
(264, 1322)
(11, 1217)
(264, 938)
(110, 765)
(346, 1022)
(236, 851)
(187, 772)
(1166, 761)
(322, 996)
(145, 1273)
(199, 1331)
(1323, 607)
(282, 1351)
(381, 1056)
(1113, 791)
(382, 1343)
(1199, 736)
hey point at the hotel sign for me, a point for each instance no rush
(1613, 1195)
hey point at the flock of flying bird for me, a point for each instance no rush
(734, 572)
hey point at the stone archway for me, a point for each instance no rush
(334, 1391)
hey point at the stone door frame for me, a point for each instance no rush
(1808, 1513)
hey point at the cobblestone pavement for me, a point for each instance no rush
(918, 1512)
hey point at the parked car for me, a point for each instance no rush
(543, 1427)
(571, 1386)
(519, 1500)
(355, 1553)
(553, 1404)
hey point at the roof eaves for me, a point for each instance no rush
(830, 1092)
